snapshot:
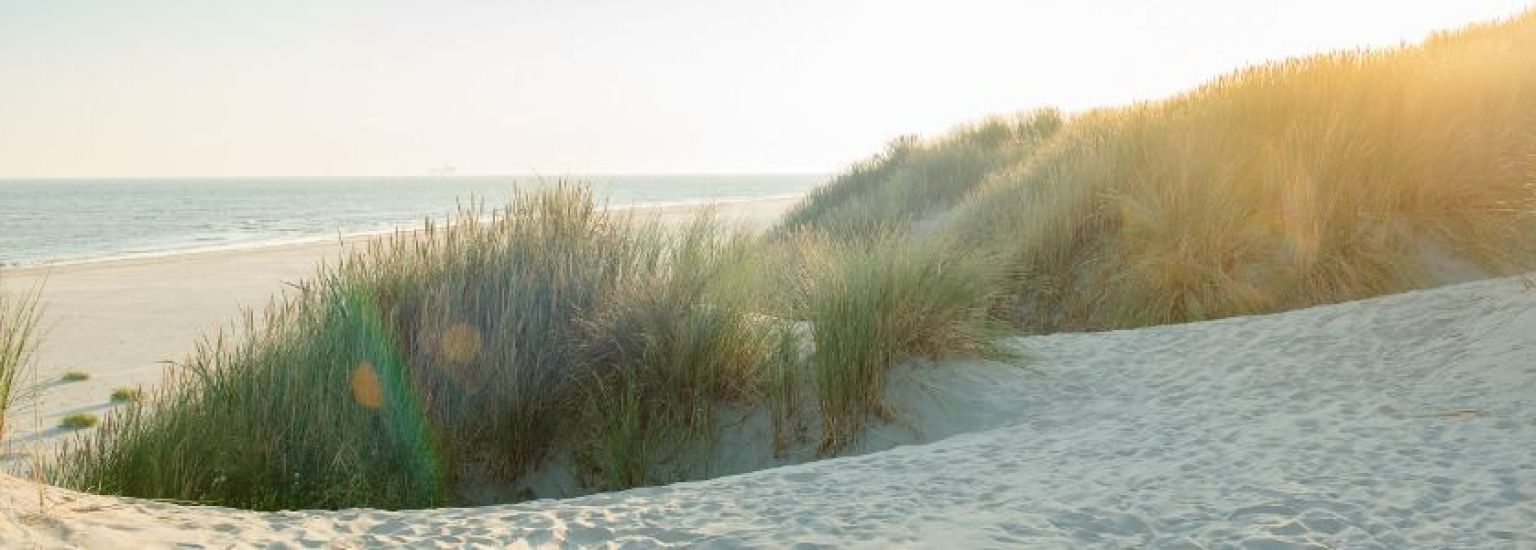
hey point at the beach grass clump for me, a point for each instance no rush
(385, 378)
(550, 331)
(78, 421)
(18, 339)
(75, 376)
(127, 395)
(477, 350)
(869, 305)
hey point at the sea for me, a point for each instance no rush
(61, 221)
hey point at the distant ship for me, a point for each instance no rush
(444, 170)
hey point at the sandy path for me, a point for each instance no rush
(1404, 421)
(117, 320)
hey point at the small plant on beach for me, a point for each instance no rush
(75, 376)
(78, 421)
(127, 395)
(18, 339)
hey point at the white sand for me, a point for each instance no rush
(118, 320)
(1404, 421)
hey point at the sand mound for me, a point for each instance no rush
(1404, 421)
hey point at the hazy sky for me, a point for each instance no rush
(381, 87)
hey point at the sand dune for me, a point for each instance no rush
(1403, 421)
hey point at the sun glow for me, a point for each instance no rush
(166, 88)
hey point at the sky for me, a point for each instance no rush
(91, 88)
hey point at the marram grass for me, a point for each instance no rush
(1309, 181)
(551, 330)
(872, 303)
(78, 421)
(127, 395)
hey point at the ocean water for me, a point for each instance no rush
(67, 221)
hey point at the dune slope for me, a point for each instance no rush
(1402, 421)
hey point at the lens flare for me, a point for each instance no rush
(380, 382)
(365, 386)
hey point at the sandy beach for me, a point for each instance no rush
(119, 320)
(1236, 276)
(1401, 421)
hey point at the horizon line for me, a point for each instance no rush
(566, 175)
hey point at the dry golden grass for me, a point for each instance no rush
(1303, 182)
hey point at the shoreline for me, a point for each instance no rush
(120, 320)
(346, 239)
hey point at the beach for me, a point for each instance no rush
(1399, 421)
(991, 275)
(120, 320)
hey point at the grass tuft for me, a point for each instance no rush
(127, 395)
(78, 421)
(75, 376)
(550, 330)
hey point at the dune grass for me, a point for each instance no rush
(127, 395)
(664, 352)
(552, 330)
(18, 339)
(871, 304)
(78, 421)
(1309, 181)
(386, 377)
(75, 376)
